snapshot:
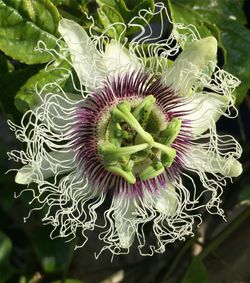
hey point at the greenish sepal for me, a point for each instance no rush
(171, 132)
(152, 171)
(118, 170)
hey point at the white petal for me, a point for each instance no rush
(204, 109)
(86, 60)
(124, 210)
(118, 59)
(193, 60)
(24, 175)
(166, 201)
(208, 161)
(56, 162)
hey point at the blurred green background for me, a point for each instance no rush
(220, 251)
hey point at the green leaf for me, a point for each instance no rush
(244, 194)
(22, 279)
(56, 74)
(73, 9)
(5, 65)
(42, 13)
(127, 10)
(10, 83)
(23, 24)
(69, 3)
(196, 273)
(225, 20)
(68, 281)
(108, 16)
(53, 255)
(182, 12)
(236, 40)
(5, 249)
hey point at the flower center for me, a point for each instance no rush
(136, 140)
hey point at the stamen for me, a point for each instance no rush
(122, 171)
(171, 132)
(152, 171)
(112, 153)
(169, 153)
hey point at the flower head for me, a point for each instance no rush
(142, 127)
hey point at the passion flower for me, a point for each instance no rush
(132, 142)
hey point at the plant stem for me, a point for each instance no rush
(225, 233)
(178, 258)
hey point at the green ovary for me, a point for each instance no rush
(137, 140)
